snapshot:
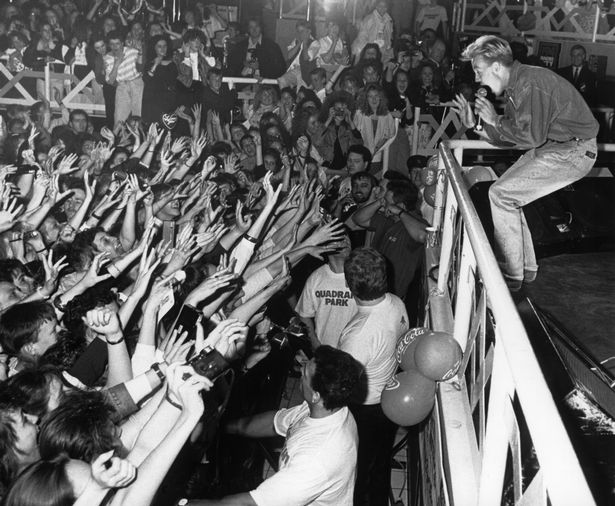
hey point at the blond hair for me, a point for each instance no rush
(491, 49)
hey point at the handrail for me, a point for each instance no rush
(563, 477)
(459, 145)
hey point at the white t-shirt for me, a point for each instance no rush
(317, 463)
(430, 16)
(371, 336)
(327, 298)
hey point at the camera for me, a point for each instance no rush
(209, 363)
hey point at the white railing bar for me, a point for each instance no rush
(465, 292)
(562, 473)
(462, 144)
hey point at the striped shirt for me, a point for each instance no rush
(127, 71)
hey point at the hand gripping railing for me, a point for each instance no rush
(473, 433)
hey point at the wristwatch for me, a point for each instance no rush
(156, 368)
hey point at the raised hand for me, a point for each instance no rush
(179, 145)
(174, 346)
(197, 110)
(147, 266)
(197, 146)
(231, 163)
(92, 276)
(184, 387)
(34, 133)
(107, 134)
(208, 240)
(228, 338)
(208, 166)
(112, 472)
(52, 271)
(7, 170)
(66, 165)
(462, 107)
(9, 213)
(242, 224)
(105, 322)
(90, 189)
(272, 195)
(181, 113)
(329, 232)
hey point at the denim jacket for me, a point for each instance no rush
(541, 106)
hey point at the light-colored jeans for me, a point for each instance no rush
(537, 173)
(128, 98)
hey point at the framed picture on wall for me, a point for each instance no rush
(548, 53)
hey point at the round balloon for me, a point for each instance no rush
(408, 398)
(404, 353)
(438, 356)
(478, 174)
(429, 195)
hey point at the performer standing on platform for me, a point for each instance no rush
(544, 114)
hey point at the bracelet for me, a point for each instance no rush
(113, 343)
(41, 250)
(95, 216)
(156, 368)
(248, 237)
(171, 402)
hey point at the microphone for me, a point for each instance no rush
(481, 92)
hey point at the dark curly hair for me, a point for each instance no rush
(336, 377)
(81, 427)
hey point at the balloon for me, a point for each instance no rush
(429, 195)
(404, 352)
(169, 120)
(438, 356)
(408, 398)
(478, 174)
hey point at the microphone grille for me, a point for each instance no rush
(481, 92)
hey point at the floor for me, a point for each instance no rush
(578, 291)
(292, 397)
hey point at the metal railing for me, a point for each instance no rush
(499, 400)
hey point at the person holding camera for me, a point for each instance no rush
(318, 460)
(339, 132)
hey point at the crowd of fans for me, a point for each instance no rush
(134, 246)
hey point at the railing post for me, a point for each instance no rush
(47, 82)
(439, 197)
(465, 290)
(448, 231)
(415, 131)
(596, 22)
(499, 423)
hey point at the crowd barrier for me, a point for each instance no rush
(471, 446)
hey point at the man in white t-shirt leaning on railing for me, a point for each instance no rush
(318, 460)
